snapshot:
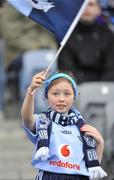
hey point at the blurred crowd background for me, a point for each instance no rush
(27, 48)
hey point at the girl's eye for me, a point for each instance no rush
(67, 94)
(55, 93)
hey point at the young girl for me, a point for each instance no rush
(65, 147)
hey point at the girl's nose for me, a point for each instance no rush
(61, 97)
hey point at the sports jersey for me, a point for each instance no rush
(66, 150)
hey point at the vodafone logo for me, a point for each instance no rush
(65, 150)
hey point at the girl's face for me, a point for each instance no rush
(61, 96)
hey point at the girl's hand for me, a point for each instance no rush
(37, 81)
(92, 131)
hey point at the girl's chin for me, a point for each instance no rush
(62, 111)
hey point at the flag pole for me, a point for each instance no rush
(68, 34)
(53, 59)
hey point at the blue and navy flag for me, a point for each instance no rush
(54, 15)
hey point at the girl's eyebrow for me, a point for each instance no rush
(66, 90)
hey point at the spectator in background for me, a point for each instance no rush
(89, 52)
(2, 68)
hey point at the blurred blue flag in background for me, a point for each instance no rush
(54, 15)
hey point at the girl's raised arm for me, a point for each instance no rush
(27, 111)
